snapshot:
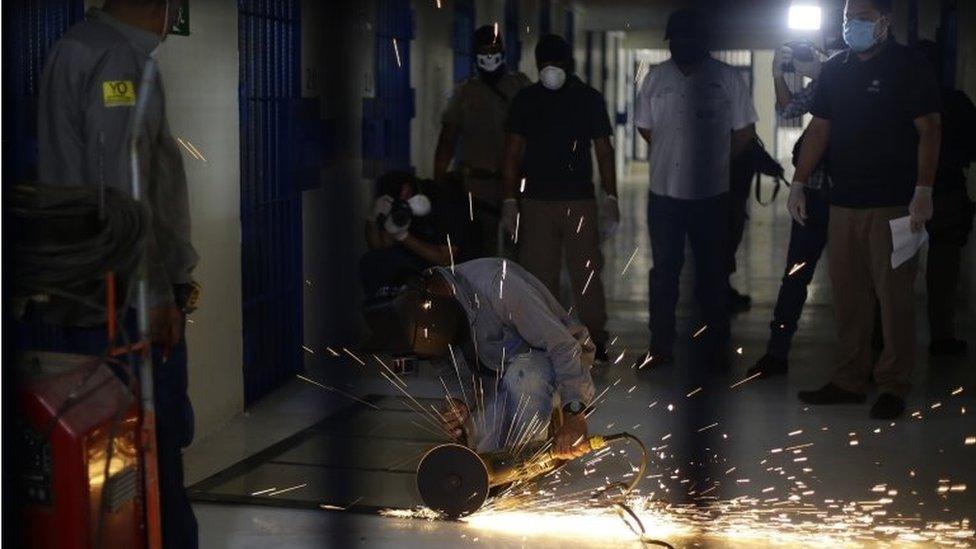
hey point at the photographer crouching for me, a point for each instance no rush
(415, 224)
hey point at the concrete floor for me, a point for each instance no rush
(839, 467)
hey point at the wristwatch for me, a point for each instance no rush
(574, 408)
(187, 296)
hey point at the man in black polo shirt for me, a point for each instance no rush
(553, 210)
(876, 114)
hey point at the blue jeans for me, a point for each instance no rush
(807, 243)
(174, 414)
(520, 408)
(704, 223)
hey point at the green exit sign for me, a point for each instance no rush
(182, 24)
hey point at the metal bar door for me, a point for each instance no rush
(463, 35)
(30, 28)
(387, 116)
(271, 205)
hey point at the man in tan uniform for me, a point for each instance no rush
(476, 114)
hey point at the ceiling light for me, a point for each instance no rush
(804, 17)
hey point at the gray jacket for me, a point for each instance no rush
(511, 312)
(87, 99)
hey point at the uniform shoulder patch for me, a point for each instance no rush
(118, 93)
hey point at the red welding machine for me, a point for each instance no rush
(81, 471)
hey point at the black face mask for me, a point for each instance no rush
(687, 54)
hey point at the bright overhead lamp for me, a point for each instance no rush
(804, 17)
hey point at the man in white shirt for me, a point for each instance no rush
(695, 113)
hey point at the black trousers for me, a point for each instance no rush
(807, 244)
(704, 224)
(952, 220)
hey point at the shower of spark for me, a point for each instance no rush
(332, 507)
(782, 507)
(290, 489)
(588, 280)
(337, 391)
(450, 251)
(190, 148)
(796, 268)
(354, 357)
(629, 261)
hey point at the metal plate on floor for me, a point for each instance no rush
(360, 459)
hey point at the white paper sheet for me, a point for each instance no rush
(904, 243)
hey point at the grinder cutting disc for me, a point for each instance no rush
(453, 480)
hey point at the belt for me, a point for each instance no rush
(480, 173)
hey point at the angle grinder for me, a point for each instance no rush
(456, 481)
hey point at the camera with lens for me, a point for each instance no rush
(802, 51)
(401, 214)
(400, 199)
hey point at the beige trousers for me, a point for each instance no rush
(859, 247)
(552, 229)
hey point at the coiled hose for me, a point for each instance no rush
(65, 239)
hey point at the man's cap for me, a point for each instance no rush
(485, 36)
(552, 48)
(686, 24)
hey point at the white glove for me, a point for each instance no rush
(810, 69)
(399, 233)
(510, 212)
(382, 205)
(783, 56)
(611, 217)
(920, 208)
(796, 204)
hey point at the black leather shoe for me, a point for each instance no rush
(831, 394)
(769, 366)
(947, 347)
(888, 406)
(738, 303)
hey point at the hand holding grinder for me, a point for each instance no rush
(456, 481)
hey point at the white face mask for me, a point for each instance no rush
(419, 205)
(552, 77)
(490, 62)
